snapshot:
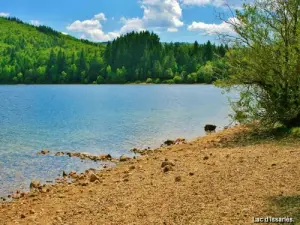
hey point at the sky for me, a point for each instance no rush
(104, 20)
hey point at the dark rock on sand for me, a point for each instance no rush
(179, 141)
(210, 128)
(124, 158)
(35, 184)
(132, 167)
(169, 142)
(168, 168)
(167, 163)
(73, 174)
(105, 157)
(93, 177)
(205, 158)
(176, 142)
(84, 183)
(178, 179)
(16, 196)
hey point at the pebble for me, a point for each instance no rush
(132, 167)
(44, 190)
(35, 184)
(44, 152)
(59, 154)
(93, 177)
(178, 179)
(167, 168)
(16, 196)
(167, 163)
(124, 158)
(84, 183)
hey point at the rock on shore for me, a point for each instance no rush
(216, 179)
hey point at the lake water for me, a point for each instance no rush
(95, 119)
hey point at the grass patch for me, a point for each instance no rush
(286, 206)
(295, 131)
(255, 134)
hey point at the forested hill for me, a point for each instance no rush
(41, 55)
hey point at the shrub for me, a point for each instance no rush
(149, 81)
(171, 81)
(264, 62)
(177, 79)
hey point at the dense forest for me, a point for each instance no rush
(40, 55)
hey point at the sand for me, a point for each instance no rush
(223, 178)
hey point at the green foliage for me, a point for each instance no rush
(264, 62)
(192, 78)
(295, 131)
(177, 79)
(100, 80)
(206, 73)
(171, 81)
(39, 55)
(30, 54)
(157, 81)
(144, 56)
(149, 81)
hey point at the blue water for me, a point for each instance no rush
(95, 119)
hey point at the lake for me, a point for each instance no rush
(95, 119)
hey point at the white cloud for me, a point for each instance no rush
(92, 29)
(65, 33)
(172, 29)
(216, 3)
(158, 14)
(4, 14)
(212, 28)
(100, 17)
(133, 24)
(35, 22)
(84, 26)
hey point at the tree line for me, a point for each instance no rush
(40, 55)
(142, 57)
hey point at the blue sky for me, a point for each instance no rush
(103, 20)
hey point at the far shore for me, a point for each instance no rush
(228, 177)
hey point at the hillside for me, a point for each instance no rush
(224, 178)
(32, 54)
(37, 55)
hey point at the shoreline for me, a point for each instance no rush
(219, 178)
(106, 160)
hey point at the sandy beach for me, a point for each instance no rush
(222, 178)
